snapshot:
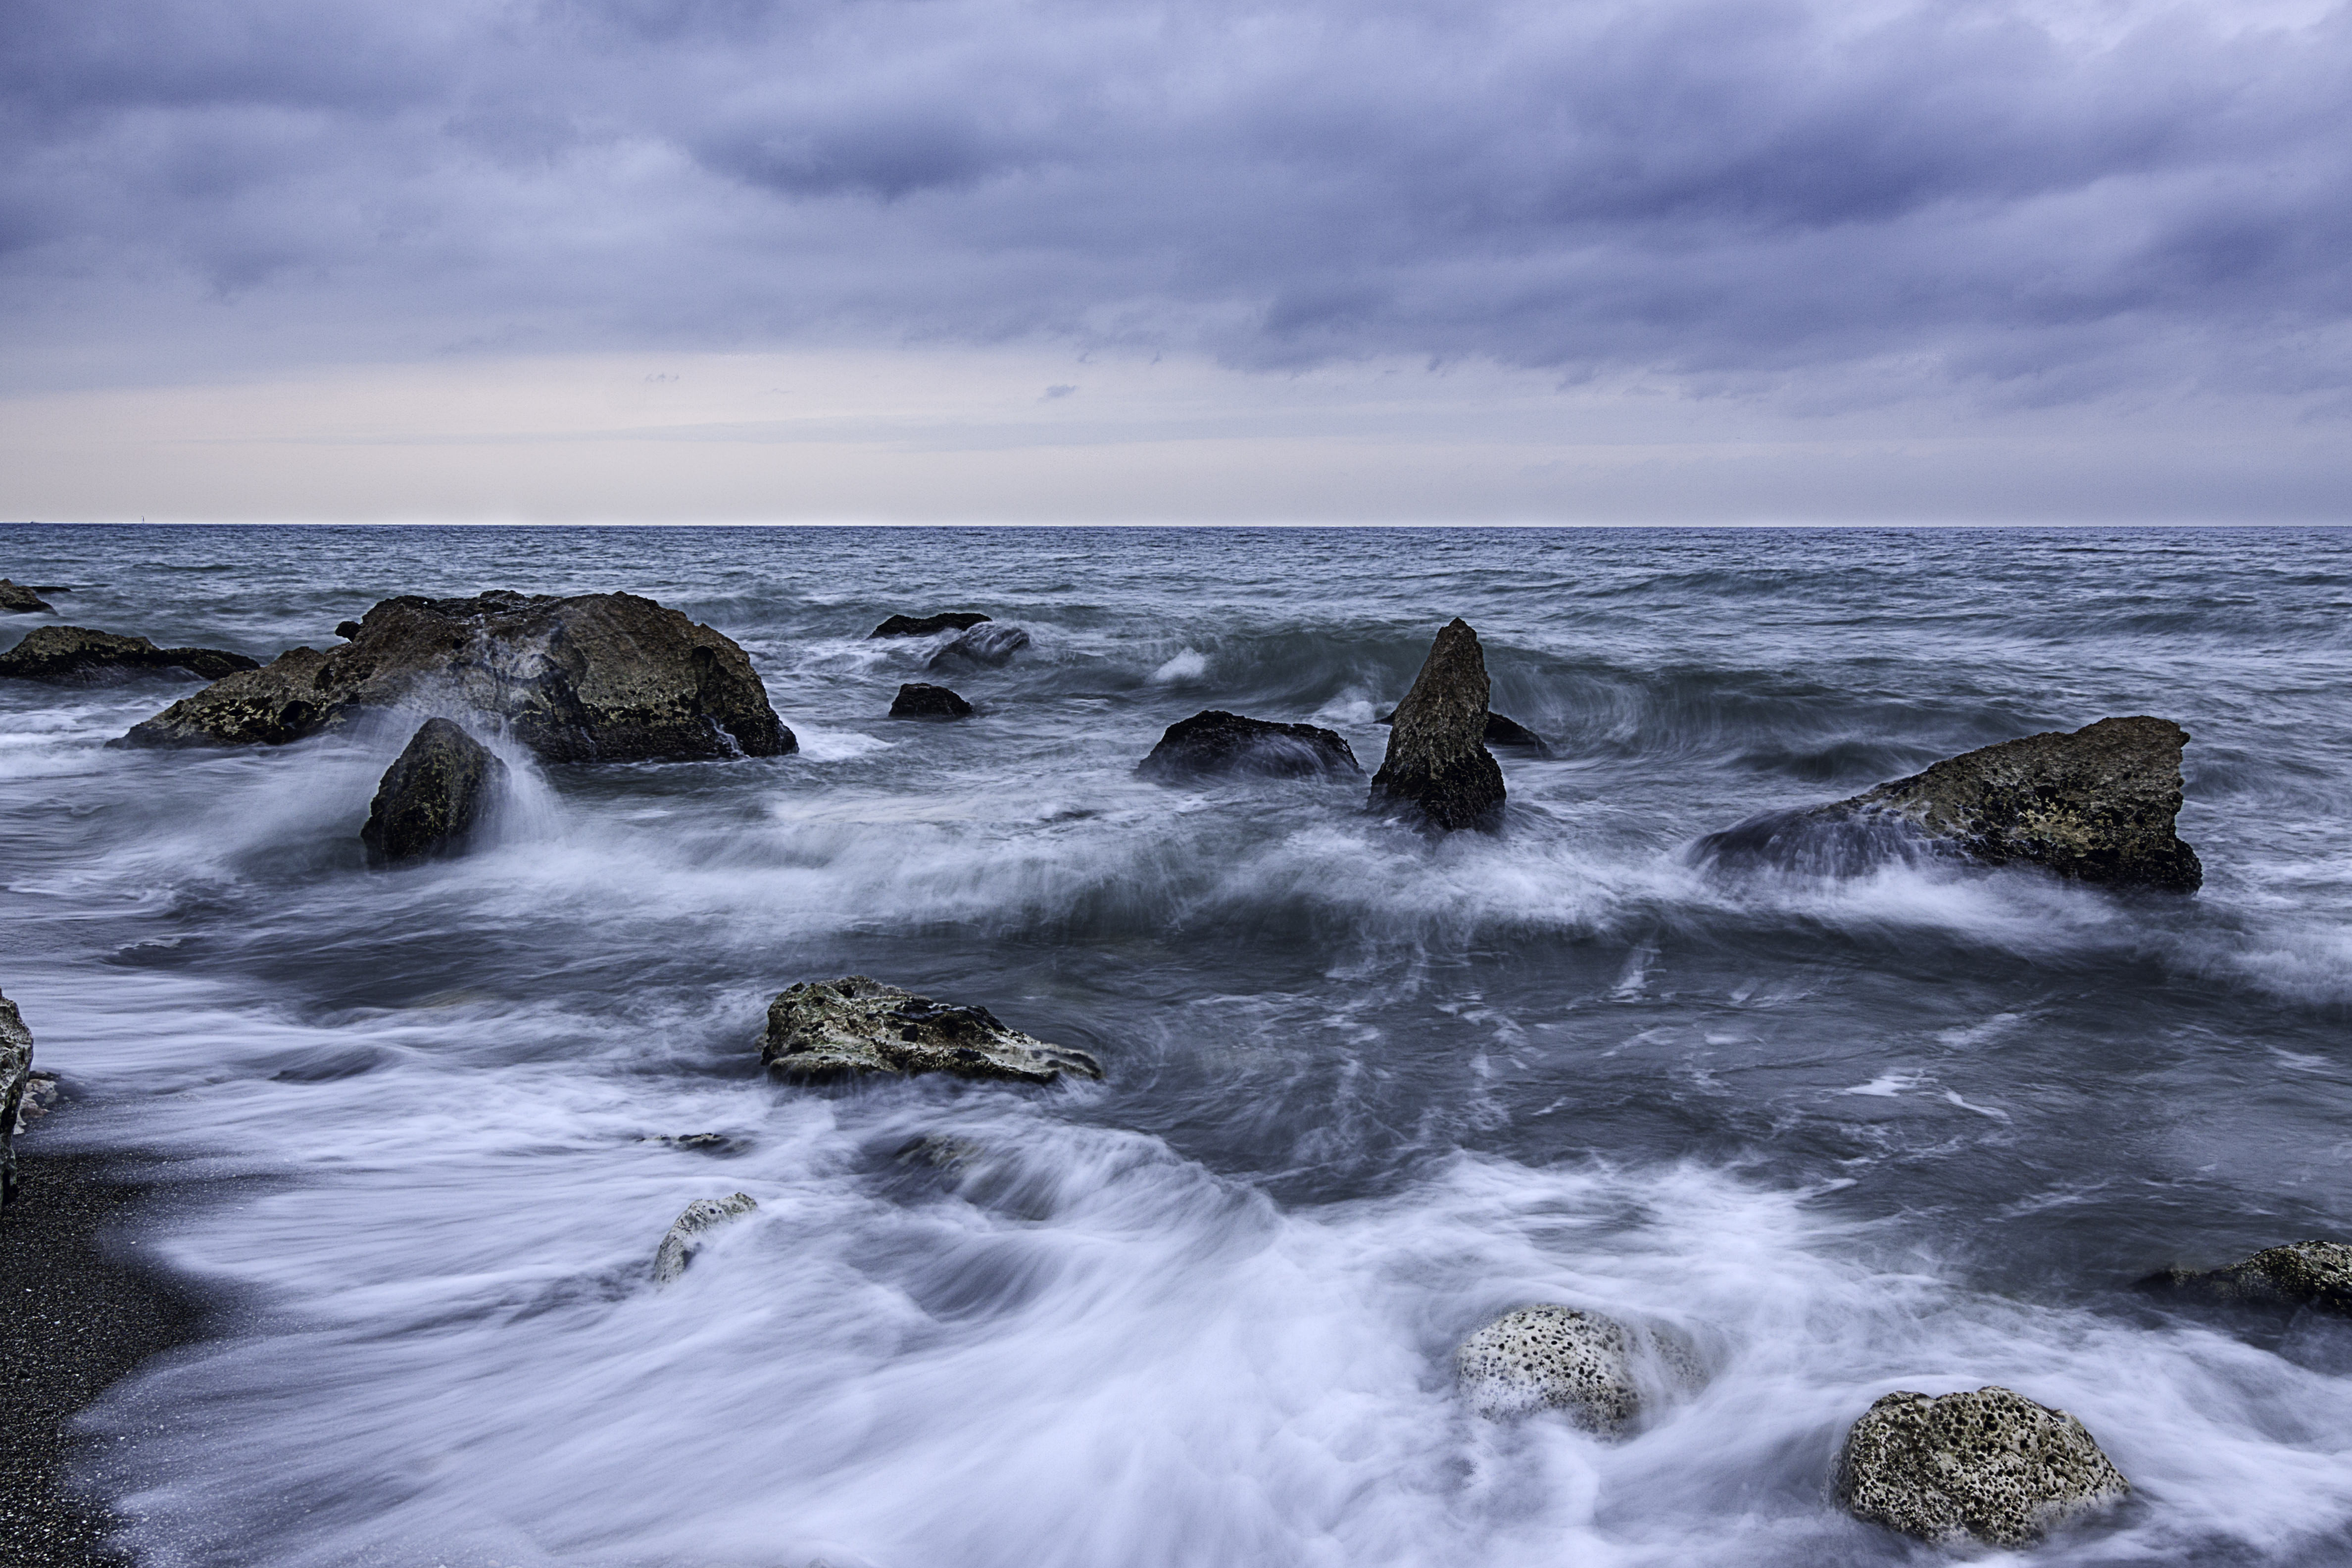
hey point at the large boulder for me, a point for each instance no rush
(1437, 769)
(15, 1069)
(686, 1234)
(433, 797)
(834, 1028)
(917, 700)
(990, 645)
(926, 625)
(2316, 1274)
(16, 599)
(1217, 742)
(2096, 805)
(595, 677)
(1601, 1373)
(1991, 1466)
(78, 653)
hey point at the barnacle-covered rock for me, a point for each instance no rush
(1990, 1465)
(832, 1028)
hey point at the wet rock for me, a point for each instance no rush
(1217, 742)
(433, 797)
(1991, 1466)
(926, 625)
(993, 644)
(16, 1077)
(719, 1143)
(1601, 1373)
(917, 701)
(594, 678)
(1437, 768)
(16, 599)
(2316, 1274)
(686, 1235)
(78, 654)
(347, 629)
(1507, 734)
(832, 1028)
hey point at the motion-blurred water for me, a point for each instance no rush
(1918, 1130)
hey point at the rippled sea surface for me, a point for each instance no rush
(1914, 1130)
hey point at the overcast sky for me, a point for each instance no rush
(1589, 259)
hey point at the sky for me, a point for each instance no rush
(1063, 260)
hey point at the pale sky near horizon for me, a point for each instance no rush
(1314, 261)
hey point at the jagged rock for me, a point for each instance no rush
(2096, 805)
(17, 599)
(686, 1232)
(2316, 1274)
(926, 625)
(347, 629)
(1220, 742)
(433, 797)
(1437, 768)
(1991, 1466)
(15, 1073)
(992, 644)
(831, 1029)
(917, 701)
(595, 677)
(71, 653)
(1602, 1373)
(1508, 733)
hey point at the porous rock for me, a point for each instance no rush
(15, 1074)
(433, 797)
(1505, 732)
(2316, 1274)
(78, 653)
(594, 677)
(1219, 742)
(17, 599)
(832, 1028)
(1990, 1465)
(1603, 1374)
(926, 625)
(1437, 768)
(684, 1238)
(992, 644)
(917, 700)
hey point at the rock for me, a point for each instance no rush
(347, 629)
(15, 1073)
(917, 701)
(1437, 768)
(831, 1029)
(18, 600)
(2316, 1274)
(433, 797)
(992, 644)
(1602, 1373)
(1508, 733)
(595, 677)
(1991, 1466)
(686, 1232)
(1220, 742)
(926, 625)
(71, 653)
(2096, 805)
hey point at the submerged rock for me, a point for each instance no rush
(1602, 1373)
(2316, 1274)
(1437, 767)
(595, 677)
(71, 653)
(433, 797)
(1220, 742)
(917, 701)
(1508, 733)
(16, 599)
(701, 1217)
(992, 644)
(2096, 805)
(831, 1029)
(1991, 1466)
(15, 1074)
(926, 625)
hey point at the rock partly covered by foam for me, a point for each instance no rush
(1220, 743)
(686, 1232)
(433, 797)
(2316, 1274)
(1437, 768)
(992, 644)
(926, 625)
(917, 700)
(78, 653)
(1602, 1373)
(16, 1072)
(594, 678)
(16, 599)
(1991, 1466)
(831, 1029)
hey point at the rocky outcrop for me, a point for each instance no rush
(1991, 1465)
(917, 701)
(835, 1029)
(1601, 1373)
(1217, 742)
(1437, 769)
(2316, 1274)
(16, 1072)
(686, 1232)
(595, 677)
(1507, 734)
(926, 625)
(16, 599)
(990, 645)
(78, 653)
(433, 797)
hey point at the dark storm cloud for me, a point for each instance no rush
(2056, 200)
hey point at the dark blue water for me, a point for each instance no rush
(1914, 1130)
